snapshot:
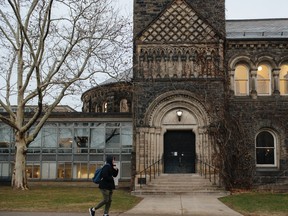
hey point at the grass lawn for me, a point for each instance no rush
(61, 199)
(258, 204)
(79, 199)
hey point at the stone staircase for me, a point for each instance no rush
(178, 184)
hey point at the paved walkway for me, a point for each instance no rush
(192, 204)
(160, 205)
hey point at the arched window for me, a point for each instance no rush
(105, 107)
(124, 106)
(97, 108)
(241, 80)
(265, 149)
(264, 80)
(283, 78)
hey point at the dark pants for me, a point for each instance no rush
(107, 199)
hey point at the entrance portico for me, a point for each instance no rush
(178, 142)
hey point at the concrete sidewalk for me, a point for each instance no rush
(188, 205)
(197, 204)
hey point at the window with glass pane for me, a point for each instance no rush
(265, 148)
(35, 146)
(113, 124)
(105, 107)
(264, 80)
(5, 134)
(112, 139)
(241, 80)
(81, 124)
(126, 170)
(49, 138)
(283, 77)
(65, 140)
(81, 139)
(33, 171)
(97, 137)
(64, 171)
(80, 171)
(48, 170)
(126, 139)
(4, 169)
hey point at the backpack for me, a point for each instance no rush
(98, 175)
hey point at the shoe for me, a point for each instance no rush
(92, 212)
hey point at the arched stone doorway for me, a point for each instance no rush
(160, 119)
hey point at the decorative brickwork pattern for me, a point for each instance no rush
(179, 23)
(179, 62)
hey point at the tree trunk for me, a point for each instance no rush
(19, 177)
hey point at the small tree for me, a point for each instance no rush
(50, 48)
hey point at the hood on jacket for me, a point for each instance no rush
(109, 160)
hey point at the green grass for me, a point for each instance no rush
(61, 199)
(258, 203)
(79, 199)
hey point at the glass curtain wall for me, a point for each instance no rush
(70, 150)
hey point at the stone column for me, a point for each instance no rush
(158, 152)
(152, 145)
(204, 148)
(137, 151)
(276, 73)
(253, 83)
(146, 147)
(141, 149)
(232, 81)
(200, 151)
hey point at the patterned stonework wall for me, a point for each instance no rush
(147, 10)
(180, 43)
(178, 62)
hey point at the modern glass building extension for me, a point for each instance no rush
(71, 147)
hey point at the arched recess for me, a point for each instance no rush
(263, 59)
(161, 117)
(174, 100)
(240, 60)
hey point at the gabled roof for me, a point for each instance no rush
(257, 29)
(179, 22)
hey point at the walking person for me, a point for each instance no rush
(106, 186)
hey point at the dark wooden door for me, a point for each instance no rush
(179, 151)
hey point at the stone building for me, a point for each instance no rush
(204, 92)
(208, 91)
(195, 72)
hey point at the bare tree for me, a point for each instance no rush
(49, 49)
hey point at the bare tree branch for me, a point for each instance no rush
(57, 47)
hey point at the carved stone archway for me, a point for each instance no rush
(161, 116)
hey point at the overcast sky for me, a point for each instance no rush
(240, 9)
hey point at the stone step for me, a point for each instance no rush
(178, 184)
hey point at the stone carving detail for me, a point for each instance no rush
(178, 62)
(179, 23)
